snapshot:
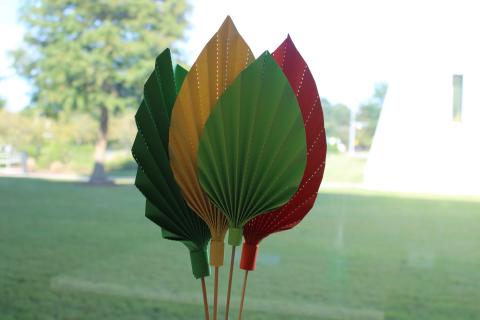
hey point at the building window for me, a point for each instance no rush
(457, 97)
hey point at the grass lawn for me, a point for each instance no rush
(68, 251)
(343, 168)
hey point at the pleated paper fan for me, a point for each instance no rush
(252, 153)
(165, 205)
(219, 63)
(180, 74)
(302, 82)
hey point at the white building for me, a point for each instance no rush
(428, 135)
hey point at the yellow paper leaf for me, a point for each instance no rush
(219, 63)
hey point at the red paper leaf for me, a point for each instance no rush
(290, 214)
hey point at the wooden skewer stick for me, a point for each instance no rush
(215, 294)
(232, 262)
(243, 295)
(205, 301)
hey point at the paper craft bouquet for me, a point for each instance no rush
(235, 143)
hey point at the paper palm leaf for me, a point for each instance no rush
(180, 74)
(252, 153)
(289, 215)
(222, 59)
(165, 205)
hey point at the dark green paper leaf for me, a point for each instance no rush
(165, 205)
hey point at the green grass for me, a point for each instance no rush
(68, 251)
(343, 168)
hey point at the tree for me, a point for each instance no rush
(94, 56)
(368, 115)
(337, 120)
(3, 102)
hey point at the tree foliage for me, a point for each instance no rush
(337, 120)
(47, 140)
(368, 115)
(86, 54)
(24, 133)
(94, 56)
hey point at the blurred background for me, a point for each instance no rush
(395, 230)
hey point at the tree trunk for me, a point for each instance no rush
(98, 176)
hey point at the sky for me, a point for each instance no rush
(12, 88)
(349, 45)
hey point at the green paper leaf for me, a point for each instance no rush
(165, 205)
(180, 74)
(160, 93)
(168, 234)
(252, 153)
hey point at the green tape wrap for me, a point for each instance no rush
(200, 267)
(235, 236)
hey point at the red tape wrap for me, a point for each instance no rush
(249, 256)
